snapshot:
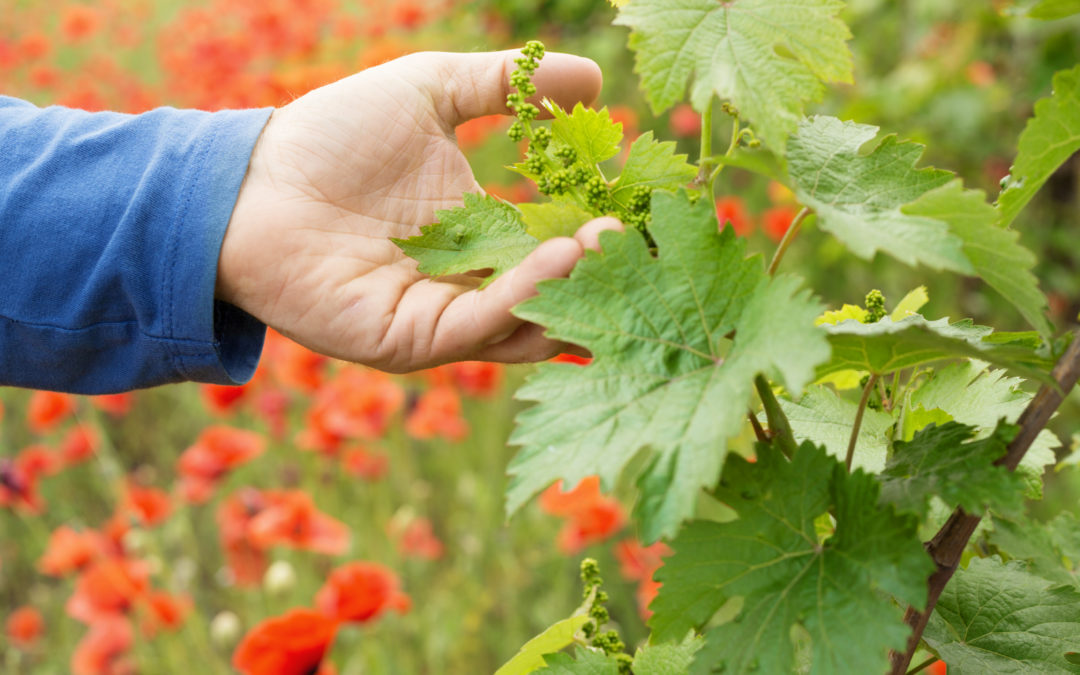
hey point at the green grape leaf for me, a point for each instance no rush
(666, 659)
(836, 590)
(768, 57)
(1049, 138)
(556, 637)
(484, 234)
(553, 219)
(664, 375)
(653, 165)
(1049, 10)
(586, 662)
(826, 419)
(995, 252)
(946, 462)
(999, 618)
(888, 345)
(591, 133)
(1052, 549)
(971, 394)
(859, 197)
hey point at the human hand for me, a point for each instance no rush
(339, 171)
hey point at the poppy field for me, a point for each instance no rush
(330, 518)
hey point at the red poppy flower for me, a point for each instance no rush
(104, 649)
(291, 519)
(733, 210)
(39, 460)
(639, 563)
(116, 405)
(163, 611)
(572, 358)
(417, 540)
(361, 591)
(18, 487)
(477, 130)
(437, 413)
(148, 505)
(937, 668)
(69, 551)
(222, 399)
(47, 409)
(590, 516)
(292, 644)
(777, 220)
(685, 122)
(110, 586)
(359, 403)
(292, 365)
(364, 463)
(34, 46)
(79, 444)
(217, 450)
(477, 378)
(25, 626)
(245, 560)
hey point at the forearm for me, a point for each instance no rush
(110, 231)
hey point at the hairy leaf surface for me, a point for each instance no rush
(653, 165)
(1052, 549)
(1049, 138)
(485, 233)
(860, 197)
(1000, 618)
(592, 134)
(553, 219)
(666, 659)
(768, 57)
(771, 556)
(945, 461)
(665, 376)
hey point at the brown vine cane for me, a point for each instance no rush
(949, 543)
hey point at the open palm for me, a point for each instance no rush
(339, 171)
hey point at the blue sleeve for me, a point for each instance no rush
(110, 231)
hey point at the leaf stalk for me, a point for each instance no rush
(857, 425)
(785, 241)
(779, 427)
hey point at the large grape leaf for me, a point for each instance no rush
(969, 393)
(887, 345)
(1000, 618)
(666, 659)
(837, 590)
(1052, 548)
(768, 57)
(945, 461)
(994, 252)
(824, 418)
(553, 219)
(1049, 138)
(860, 197)
(653, 165)
(485, 233)
(664, 376)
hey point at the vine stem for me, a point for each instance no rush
(858, 420)
(706, 152)
(759, 433)
(949, 543)
(924, 665)
(779, 427)
(792, 231)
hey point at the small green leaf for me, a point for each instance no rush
(556, 637)
(888, 345)
(653, 165)
(666, 659)
(1000, 618)
(586, 662)
(837, 591)
(664, 375)
(767, 57)
(945, 462)
(910, 304)
(484, 234)
(860, 197)
(1050, 138)
(1049, 10)
(1052, 549)
(995, 252)
(553, 219)
(592, 134)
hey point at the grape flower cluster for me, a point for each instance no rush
(609, 641)
(554, 166)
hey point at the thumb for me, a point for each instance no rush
(472, 85)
